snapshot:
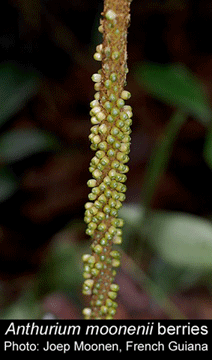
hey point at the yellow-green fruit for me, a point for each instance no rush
(110, 139)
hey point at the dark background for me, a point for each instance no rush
(58, 39)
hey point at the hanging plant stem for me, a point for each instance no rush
(160, 157)
(110, 139)
(159, 296)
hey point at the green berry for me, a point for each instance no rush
(100, 154)
(107, 180)
(110, 15)
(96, 78)
(104, 310)
(120, 103)
(105, 161)
(115, 112)
(112, 97)
(108, 84)
(103, 145)
(115, 263)
(110, 119)
(115, 55)
(106, 209)
(115, 164)
(85, 257)
(107, 105)
(91, 183)
(115, 254)
(112, 295)
(113, 77)
(125, 95)
(115, 131)
(87, 312)
(111, 153)
(94, 272)
(102, 227)
(97, 174)
(103, 242)
(102, 199)
(100, 216)
(100, 116)
(92, 197)
(98, 266)
(102, 129)
(97, 56)
(112, 312)
(94, 120)
(98, 249)
(109, 303)
(112, 174)
(114, 287)
(96, 139)
(110, 139)
(117, 240)
(108, 193)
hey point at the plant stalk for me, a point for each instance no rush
(155, 291)
(160, 157)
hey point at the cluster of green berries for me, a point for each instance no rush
(110, 138)
(108, 307)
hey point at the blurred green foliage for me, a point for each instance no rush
(8, 183)
(175, 85)
(19, 144)
(207, 152)
(60, 272)
(17, 85)
(181, 245)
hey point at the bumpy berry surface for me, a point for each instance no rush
(111, 119)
